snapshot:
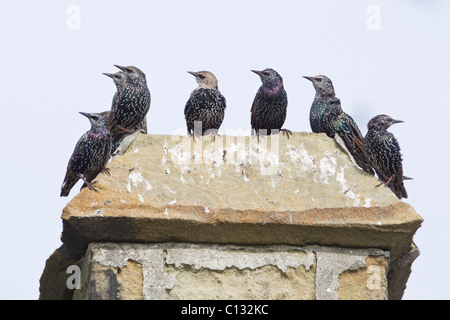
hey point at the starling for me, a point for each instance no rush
(335, 121)
(90, 156)
(383, 152)
(130, 104)
(269, 107)
(324, 92)
(206, 105)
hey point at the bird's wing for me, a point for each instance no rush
(71, 177)
(192, 103)
(394, 163)
(80, 152)
(111, 118)
(354, 141)
(328, 122)
(191, 109)
(357, 136)
(253, 111)
(396, 158)
(399, 187)
(223, 101)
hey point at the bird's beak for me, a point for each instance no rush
(120, 67)
(309, 78)
(88, 115)
(397, 121)
(259, 73)
(193, 73)
(111, 75)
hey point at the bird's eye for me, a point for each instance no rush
(201, 76)
(265, 73)
(319, 79)
(95, 118)
(118, 76)
(129, 70)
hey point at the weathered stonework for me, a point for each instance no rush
(200, 212)
(203, 271)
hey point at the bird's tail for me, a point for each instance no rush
(397, 186)
(67, 185)
(404, 193)
(363, 162)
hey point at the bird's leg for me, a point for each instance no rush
(385, 183)
(107, 171)
(213, 134)
(288, 132)
(90, 185)
(126, 130)
(131, 131)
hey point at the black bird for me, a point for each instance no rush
(206, 105)
(90, 155)
(324, 92)
(335, 121)
(269, 107)
(383, 152)
(130, 104)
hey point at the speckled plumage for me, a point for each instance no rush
(383, 152)
(90, 155)
(269, 107)
(335, 121)
(324, 92)
(130, 104)
(142, 126)
(206, 105)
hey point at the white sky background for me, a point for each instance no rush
(51, 72)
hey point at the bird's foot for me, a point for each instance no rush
(193, 136)
(107, 171)
(213, 134)
(288, 132)
(385, 183)
(89, 184)
(256, 133)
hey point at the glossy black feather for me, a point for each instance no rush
(324, 93)
(90, 155)
(335, 121)
(207, 106)
(130, 104)
(384, 154)
(269, 108)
